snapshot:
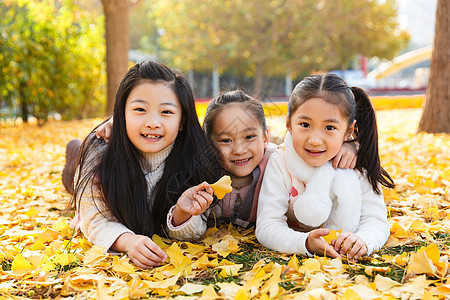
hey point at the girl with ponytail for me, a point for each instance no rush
(302, 196)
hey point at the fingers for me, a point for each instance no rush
(336, 160)
(346, 157)
(146, 254)
(353, 163)
(104, 131)
(329, 251)
(155, 249)
(359, 249)
(98, 134)
(202, 200)
(208, 188)
(339, 240)
(319, 232)
(350, 243)
(344, 161)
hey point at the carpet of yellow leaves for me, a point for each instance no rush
(42, 257)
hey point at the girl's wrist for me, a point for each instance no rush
(120, 244)
(179, 216)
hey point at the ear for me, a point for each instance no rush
(180, 128)
(350, 130)
(266, 138)
(288, 125)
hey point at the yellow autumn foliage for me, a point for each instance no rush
(43, 258)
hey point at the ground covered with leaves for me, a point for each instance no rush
(42, 257)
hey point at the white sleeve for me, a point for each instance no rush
(192, 229)
(272, 230)
(373, 226)
(96, 222)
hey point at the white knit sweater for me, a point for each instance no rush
(273, 231)
(96, 222)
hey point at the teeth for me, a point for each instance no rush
(241, 161)
(152, 136)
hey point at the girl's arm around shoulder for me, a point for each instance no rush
(272, 229)
(373, 227)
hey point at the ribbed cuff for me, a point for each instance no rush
(192, 229)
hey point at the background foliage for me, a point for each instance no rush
(51, 59)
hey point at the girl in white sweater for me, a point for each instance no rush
(157, 154)
(303, 196)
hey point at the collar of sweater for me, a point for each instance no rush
(156, 161)
(297, 166)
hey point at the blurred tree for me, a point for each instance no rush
(436, 111)
(365, 27)
(50, 59)
(117, 44)
(252, 37)
(266, 38)
(143, 30)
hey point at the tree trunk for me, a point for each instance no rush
(436, 111)
(117, 44)
(23, 104)
(259, 80)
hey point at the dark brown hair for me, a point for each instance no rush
(354, 104)
(217, 104)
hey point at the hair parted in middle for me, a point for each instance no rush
(217, 104)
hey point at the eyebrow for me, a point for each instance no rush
(145, 102)
(244, 130)
(331, 120)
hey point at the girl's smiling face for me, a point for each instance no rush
(153, 116)
(240, 138)
(318, 130)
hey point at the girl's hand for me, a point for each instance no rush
(194, 201)
(104, 131)
(141, 250)
(346, 157)
(316, 245)
(351, 243)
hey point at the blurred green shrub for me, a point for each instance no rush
(51, 60)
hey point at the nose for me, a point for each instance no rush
(239, 148)
(315, 139)
(153, 122)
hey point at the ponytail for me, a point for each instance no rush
(366, 134)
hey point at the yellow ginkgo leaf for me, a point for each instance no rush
(421, 264)
(209, 293)
(229, 270)
(332, 235)
(158, 241)
(122, 266)
(32, 212)
(20, 265)
(222, 186)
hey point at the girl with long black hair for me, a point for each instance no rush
(156, 155)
